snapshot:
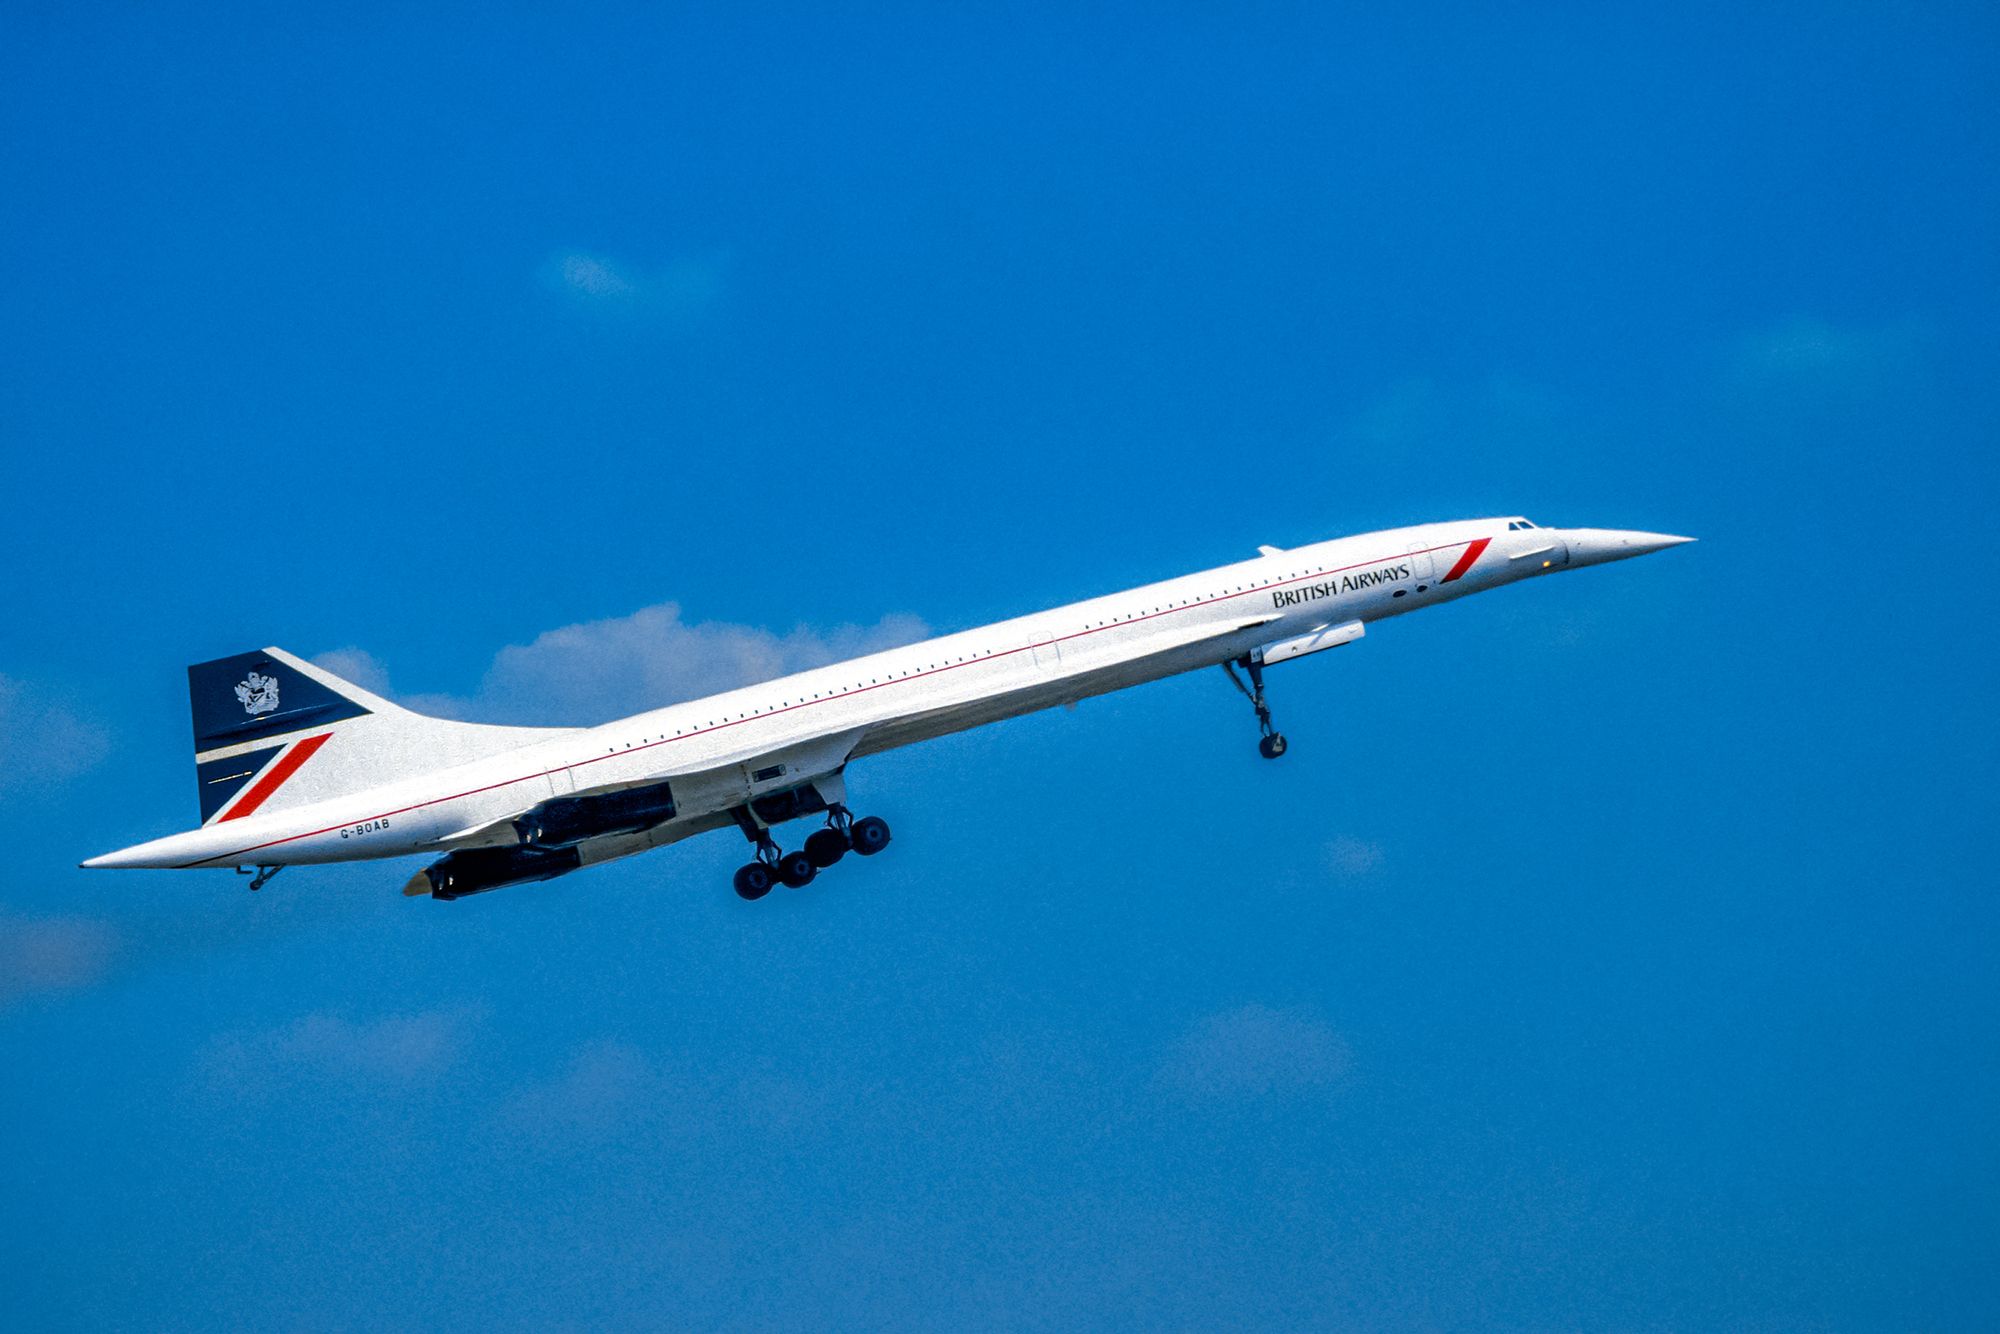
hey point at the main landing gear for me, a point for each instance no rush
(843, 834)
(1272, 743)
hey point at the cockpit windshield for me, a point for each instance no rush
(1518, 525)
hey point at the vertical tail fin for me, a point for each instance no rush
(272, 731)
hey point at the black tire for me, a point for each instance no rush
(870, 835)
(1272, 746)
(753, 881)
(796, 870)
(826, 847)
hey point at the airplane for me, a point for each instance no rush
(296, 766)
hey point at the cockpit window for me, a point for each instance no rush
(1519, 525)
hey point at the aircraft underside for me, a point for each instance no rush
(294, 765)
(758, 812)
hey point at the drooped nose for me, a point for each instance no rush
(1594, 546)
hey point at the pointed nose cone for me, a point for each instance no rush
(1594, 546)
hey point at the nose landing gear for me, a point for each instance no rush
(1272, 743)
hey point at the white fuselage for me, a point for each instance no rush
(726, 749)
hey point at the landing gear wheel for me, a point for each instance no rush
(826, 847)
(796, 870)
(871, 835)
(753, 881)
(1272, 746)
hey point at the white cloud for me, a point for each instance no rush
(52, 954)
(44, 739)
(1427, 414)
(599, 670)
(587, 275)
(604, 1086)
(357, 665)
(1804, 343)
(1812, 356)
(1352, 858)
(682, 289)
(604, 669)
(608, 1089)
(396, 1050)
(1256, 1051)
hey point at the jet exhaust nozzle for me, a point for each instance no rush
(476, 870)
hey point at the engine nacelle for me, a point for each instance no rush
(476, 870)
(1313, 641)
(564, 822)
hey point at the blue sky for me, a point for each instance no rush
(1615, 952)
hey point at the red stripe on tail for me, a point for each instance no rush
(1472, 553)
(261, 790)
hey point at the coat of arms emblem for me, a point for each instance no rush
(259, 693)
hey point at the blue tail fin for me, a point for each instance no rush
(260, 717)
(254, 696)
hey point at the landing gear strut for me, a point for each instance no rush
(262, 876)
(843, 834)
(755, 880)
(1272, 743)
(829, 845)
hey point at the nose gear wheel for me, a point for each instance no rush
(1271, 744)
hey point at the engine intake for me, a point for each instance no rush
(566, 821)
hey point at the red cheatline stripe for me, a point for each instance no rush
(261, 790)
(1472, 553)
(225, 858)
